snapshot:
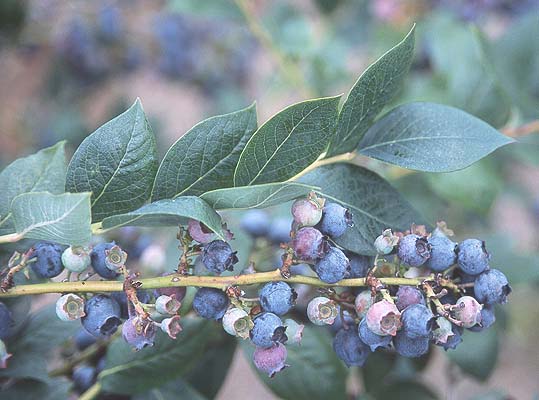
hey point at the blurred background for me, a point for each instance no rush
(68, 67)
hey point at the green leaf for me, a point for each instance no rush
(287, 143)
(430, 137)
(53, 389)
(374, 203)
(256, 196)
(204, 158)
(63, 218)
(374, 89)
(42, 171)
(175, 390)
(315, 371)
(117, 163)
(406, 390)
(130, 372)
(477, 354)
(173, 212)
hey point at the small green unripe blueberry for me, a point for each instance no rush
(76, 259)
(171, 326)
(237, 322)
(166, 305)
(322, 311)
(70, 307)
(115, 258)
(385, 243)
(294, 331)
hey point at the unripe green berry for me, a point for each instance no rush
(322, 311)
(171, 326)
(70, 307)
(76, 259)
(237, 322)
(166, 305)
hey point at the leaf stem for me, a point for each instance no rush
(91, 393)
(11, 238)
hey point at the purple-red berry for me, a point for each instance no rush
(309, 244)
(270, 360)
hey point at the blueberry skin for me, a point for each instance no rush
(83, 339)
(48, 259)
(370, 338)
(256, 223)
(413, 250)
(210, 303)
(333, 267)
(144, 296)
(417, 321)
(277, 297)
(83, 377)
(268, 330)
(6, 321)
(336, 219)
(359, 265)
(97, 255)
(350, 348)
(472, 256)
(408, 347)
(279, 231)
(219, 257)
(455, 340)
(408, 295)
(102, 316)
(442, 253)
(492, 287)
(487, 319)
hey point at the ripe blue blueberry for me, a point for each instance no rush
(279, 231)
(6, 321)
(417, 321)
(268, 330)
(408, 347)
(487, 319)
(83, 339)
(144, 296)
(333, 267)
(270, 360)
(408, 295)
(277, 297)
(359, 265)
(48, 259)
(102, 316)
(492, 287)
(307, 212)
(98, 257)
(139, 332)
(219, 257)
(350, 348)
(413, 250)
(83, 377)
(370, 338)
(442, 253)
(210, 303)
(336, 219)
(256, 223)
(309, 244)
(472, 256)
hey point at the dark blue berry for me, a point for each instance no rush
(256, 223)
(210, 303)
(333, 267)
(417, 321)
(83, 377)
(492, 287)
(454, 340)
(413, 250)
(487, 319)
(139, 332)
(98, 258)
(350, 348)
(472, 256)
(336, 219)
(442, 253)
(408, 347)
(279, 231)
(359, 265)
(219, 257)
(268, 330)
(144, 296)
(309, 244)
(370, 338)
(102, 316)
(277, 297)
(83, 339)
(6, 321)
(48, 259)
(408, 295)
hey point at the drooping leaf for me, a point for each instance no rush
(255, 196)
(175, 390)
(44, 170)
(117, 163)
(171, 212)
(315, 371)
(374, 89)
(288, 142)
(204, 158)
(374, 203)
(63, 218)
(430, 137)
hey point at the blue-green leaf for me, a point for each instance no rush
(430, 137)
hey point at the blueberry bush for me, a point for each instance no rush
(387, 284)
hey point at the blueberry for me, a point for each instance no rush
(268, 330)
(413, 250)
(178, 292)
(417, 321)
(294, 331)
(102, 316)
(383, 318)
(199, 232)
(370, 338)
(237, 322)
(442, 253)
(256, 223)
(408, 295)
(322, 311)
(70, 307)
(386, 242)
(487, 319)
(109, 21)
(279, 231)
(472, 256)
(171, 326)
(6, 321)
(83, 377)
(98, 257)
(408, 347)
(76, 259)
(139, 332)
(350, 348)
(359, 265)
(363, 302)
(468, 311)
(48, 259)
(336, 219)
(144, 296)
(333, 267)
(454, 340)
(306, 212)
(491, 287)
(309, 244)
(277, 297)
(210, 303)
(443, 331)
(83, 339)
(218, 257)
(270, 360)
(166, 305)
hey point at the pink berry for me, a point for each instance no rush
(270, 360)
(468, 311)
(309, 244)
(199, 232)
(306, 212)
(383, 318)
